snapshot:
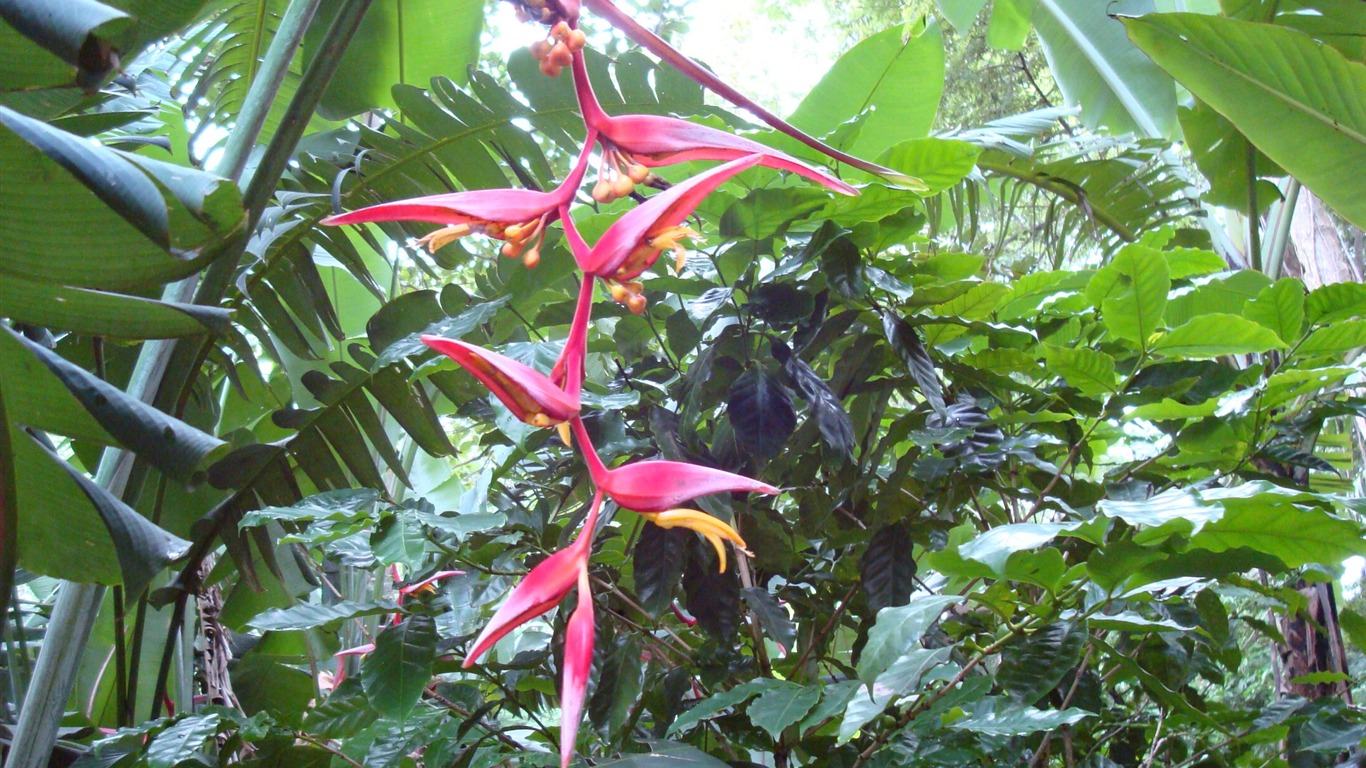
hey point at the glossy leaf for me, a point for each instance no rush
(761, 413)
(1279, 307)
(906, 343)
(1089, 371)
(310, 615)
(888, 568)
(1217, 334)
(1131, 292)
(345, 712)
(782, 705)
(897, 630)
(1034, 665)
(773, 617)
(401, 666)
(940, 163)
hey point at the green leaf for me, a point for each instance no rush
(960, 13)
(1033, 665)
(9, 507)
(782, 705)
(898, 629)
(1299, 101)
(1217, 334)
(768, 212)
(400, 667)
(995, 716)
(1334, 339)
(761, 413)
(86, 35)
(1010, 24)
(146, 231)
(345, 713)
(893, 79)
(1335, 301)
(1131, 292)
(717, 703)
(97, 313)
(1184, 263)
(1272, 523)
(182, 741)
(1096, 67)
(1089, 371)
(1220, 152)
(940, 163)
(1279, 307)
(400, 41)
(399, 540)
(142, 548)
(772, 616)
(994, 547)
(308, 615)
(1354, 626)
(170, 444)
(666, 754)
(1228, 293)
(905, 341)
(61, 534)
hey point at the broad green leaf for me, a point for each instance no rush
(960, 13)
(1184, 263)
(898, 74)
(1131, 292)
(992, 549)
(60, 42)
(667, 754)
(1228, 293)
(101, 218)
(1334, 339)
(782, 705)
(399, 540)
(996, 716)
(9, 507)
(1010, 25)
(309, 615)
(401, 666)
(1090, 371)
(1296, 100)
(400, 41)
(1296, 534)
(1097, 68)
(1171, 410)
(1173, 511)
(1217, 334)
(768, 212)
(1279, 307)
(940, 163)
(1220, 152)
(1336, 301)
(897, 630)
(37, 398)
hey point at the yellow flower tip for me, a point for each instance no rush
(680, 259)
(577, 40)
(670, 238)
(541, 49)
(636, 304)
(566, 436)
(602, 191)
(619, 292)
(560, 31)
(532, 257)
(511, 249)
(434, 241)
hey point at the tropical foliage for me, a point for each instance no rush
(1067, 464)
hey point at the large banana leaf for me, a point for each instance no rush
(1097, 68)
(1297, 100)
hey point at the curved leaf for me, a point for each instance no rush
(105, 314)
(761, 413)
(1033, 665)
(9, 508)
(308, 615)
(1217, 334)
(1297, 100)
(888, 568)
(401, 666)
(85, 34)
(1131, 292)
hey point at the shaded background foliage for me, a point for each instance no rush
(1071, 460)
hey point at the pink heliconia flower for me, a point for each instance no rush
(634, 242)
(541, 590)
(660, 486)
(635, 143)
(670, 55)
(578, 665)
(533, 397)
(517, 216)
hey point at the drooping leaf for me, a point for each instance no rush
(86, 35)
(98, 313)
(836, 428)
(716, 703)
(658, 561)
(1002, 717)
(888, 567)
(1297, 100)
(1221, 152)
(772, 616)
(906, 343)
(940, 163)
(1335, 301)
(401, 666)
(1336, 338)
(711, 596)
(761, 413)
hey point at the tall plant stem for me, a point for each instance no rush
(1278, 230)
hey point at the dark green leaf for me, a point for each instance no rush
(836, 428)
(780, 303)
(906, 343)
(1033, 665)
(182, 741)
(772, 616)
(712, 597)
(86, 34)
(761, 413)
(344, 714)
(888, 568)
(898, 630)
(658, 559)
(781, 705)
(9, 508)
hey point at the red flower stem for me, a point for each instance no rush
(596, 468)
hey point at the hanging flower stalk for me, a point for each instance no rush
(630, 146)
